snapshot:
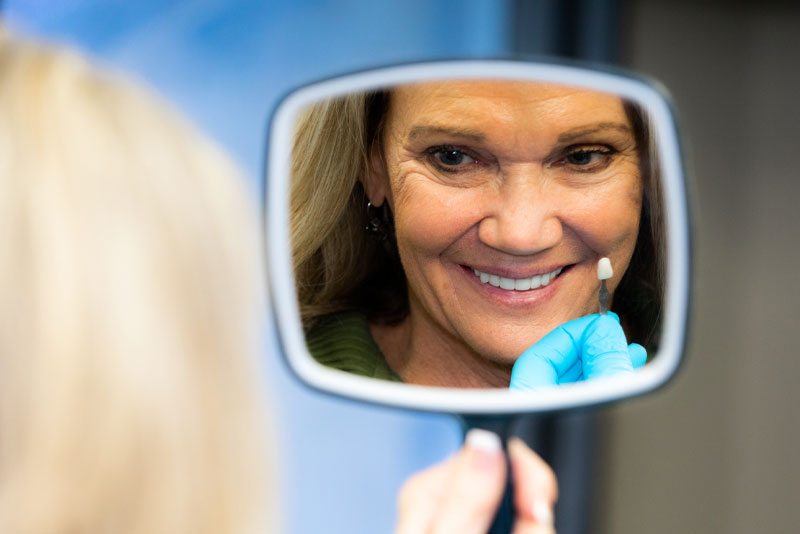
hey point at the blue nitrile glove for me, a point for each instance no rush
(588, 347)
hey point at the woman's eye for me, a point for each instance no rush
(584, 158)
(450, 158)
(587, 159)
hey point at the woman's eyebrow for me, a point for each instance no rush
(575, 134)
(472, 135)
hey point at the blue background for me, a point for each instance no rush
(226, 64)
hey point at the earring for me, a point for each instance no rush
(375, 225)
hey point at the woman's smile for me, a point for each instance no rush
(525, 283)
(514, 292)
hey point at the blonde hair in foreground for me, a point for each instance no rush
(130, 289)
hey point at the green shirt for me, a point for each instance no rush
(343, 341)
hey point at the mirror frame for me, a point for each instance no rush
(285, 313)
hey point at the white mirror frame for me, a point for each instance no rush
(489, 401)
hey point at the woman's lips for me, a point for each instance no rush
(517, 284)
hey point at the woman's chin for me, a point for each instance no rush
(504, 340)
(503, 348)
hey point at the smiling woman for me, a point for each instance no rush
(441, 229)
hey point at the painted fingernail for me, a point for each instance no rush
(543, 512)
(483, 440)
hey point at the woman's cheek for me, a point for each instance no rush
(432, 215)
(613, 231)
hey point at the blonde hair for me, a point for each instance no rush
(130, 289)
(328, 207)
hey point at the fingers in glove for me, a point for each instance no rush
(638, 355)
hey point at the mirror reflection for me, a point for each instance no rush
(443, 232)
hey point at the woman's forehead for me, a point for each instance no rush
(492, 104)
(523, 91)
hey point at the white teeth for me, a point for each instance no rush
(507, 283)
(523, 284)
(517, 284)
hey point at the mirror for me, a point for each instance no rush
(431, 225)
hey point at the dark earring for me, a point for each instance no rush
(375, 224)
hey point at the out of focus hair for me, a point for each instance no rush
(130, 287)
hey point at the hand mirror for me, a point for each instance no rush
(431, 225)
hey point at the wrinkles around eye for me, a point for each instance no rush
(450, 159)
(586, 158)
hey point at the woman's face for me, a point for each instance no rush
(505, 195)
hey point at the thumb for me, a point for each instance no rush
(638, 355)
(457, 496)
(474, 488)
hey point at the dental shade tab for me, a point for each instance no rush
(604, 272)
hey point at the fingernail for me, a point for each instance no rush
(483, 447)
(483, 440)
(543, 512)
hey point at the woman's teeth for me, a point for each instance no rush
(517, 284)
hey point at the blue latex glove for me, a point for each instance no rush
(588, 347)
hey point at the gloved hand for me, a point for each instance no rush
(588, 347)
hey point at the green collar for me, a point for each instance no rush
(343, 341)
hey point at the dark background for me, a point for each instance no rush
(717, 451)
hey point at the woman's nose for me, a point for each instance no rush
(521, 219)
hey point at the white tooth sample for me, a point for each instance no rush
(604, 269)
(536, 281)
(558, 271)
(477, 272)
(484, 277)
(545, 279)
(494, 280)
(506, 283)
(523, 284)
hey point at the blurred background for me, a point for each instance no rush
(714, 451)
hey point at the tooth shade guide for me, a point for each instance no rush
(604, 269)
(604, 272)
